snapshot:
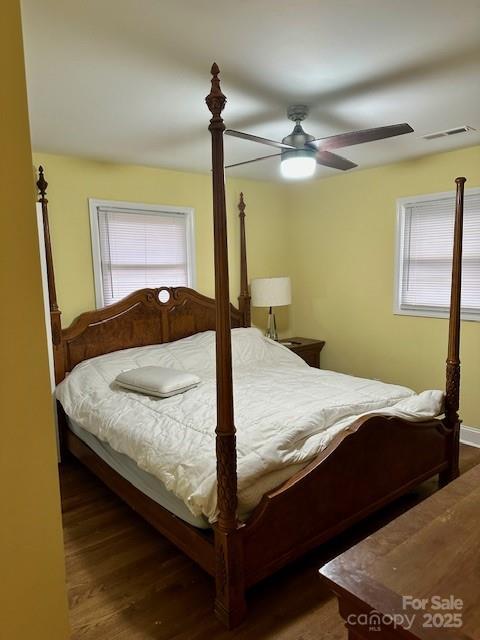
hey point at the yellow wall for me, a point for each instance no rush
(32, 585)
(72, 181)
(342, 264)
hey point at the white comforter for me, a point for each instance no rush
(285, 413)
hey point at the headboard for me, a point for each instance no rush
(147, 316)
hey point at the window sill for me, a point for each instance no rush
(468, 316)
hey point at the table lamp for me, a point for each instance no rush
(271, 292)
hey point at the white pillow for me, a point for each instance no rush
(157, 381)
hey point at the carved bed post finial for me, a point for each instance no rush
(55, 312)
(241, 204)
(42, 185)
(244, 297)
(216, 101)
(452, 395)
(230, 600)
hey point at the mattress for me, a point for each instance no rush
(141, 480)
(286, 413)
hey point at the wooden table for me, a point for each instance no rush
(423, 569)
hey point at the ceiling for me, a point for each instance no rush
(125, 80)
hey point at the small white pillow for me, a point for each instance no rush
(157, 381)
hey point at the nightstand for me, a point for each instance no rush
(306, 348)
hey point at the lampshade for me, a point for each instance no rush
(271, 292)
(298, 163)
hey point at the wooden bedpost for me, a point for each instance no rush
(452, 393)
(244, 297)
(55, 313)
(230, 600)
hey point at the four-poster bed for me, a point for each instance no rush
(375, 460)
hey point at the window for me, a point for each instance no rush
(136, 246)
(425, 227)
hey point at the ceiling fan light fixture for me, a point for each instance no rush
(298, 164)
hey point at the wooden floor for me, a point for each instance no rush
(126, 582)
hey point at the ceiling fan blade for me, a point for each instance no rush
(328, 159)
(237, 164)
(364, 135)
(252, 138)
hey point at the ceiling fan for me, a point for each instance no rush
(301, 152)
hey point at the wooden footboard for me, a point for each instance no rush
(376, 460)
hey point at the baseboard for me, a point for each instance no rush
(470, 436)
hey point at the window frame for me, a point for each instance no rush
(426, 311)
(94, 204)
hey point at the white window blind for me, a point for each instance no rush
(138, 246)
(425, 248)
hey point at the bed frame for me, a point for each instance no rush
(376, 460)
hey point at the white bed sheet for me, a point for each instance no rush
(285, 413)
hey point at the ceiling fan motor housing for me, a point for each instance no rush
(298, 138)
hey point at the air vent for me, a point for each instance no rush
(448, 132)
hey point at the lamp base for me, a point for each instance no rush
(271, 331)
